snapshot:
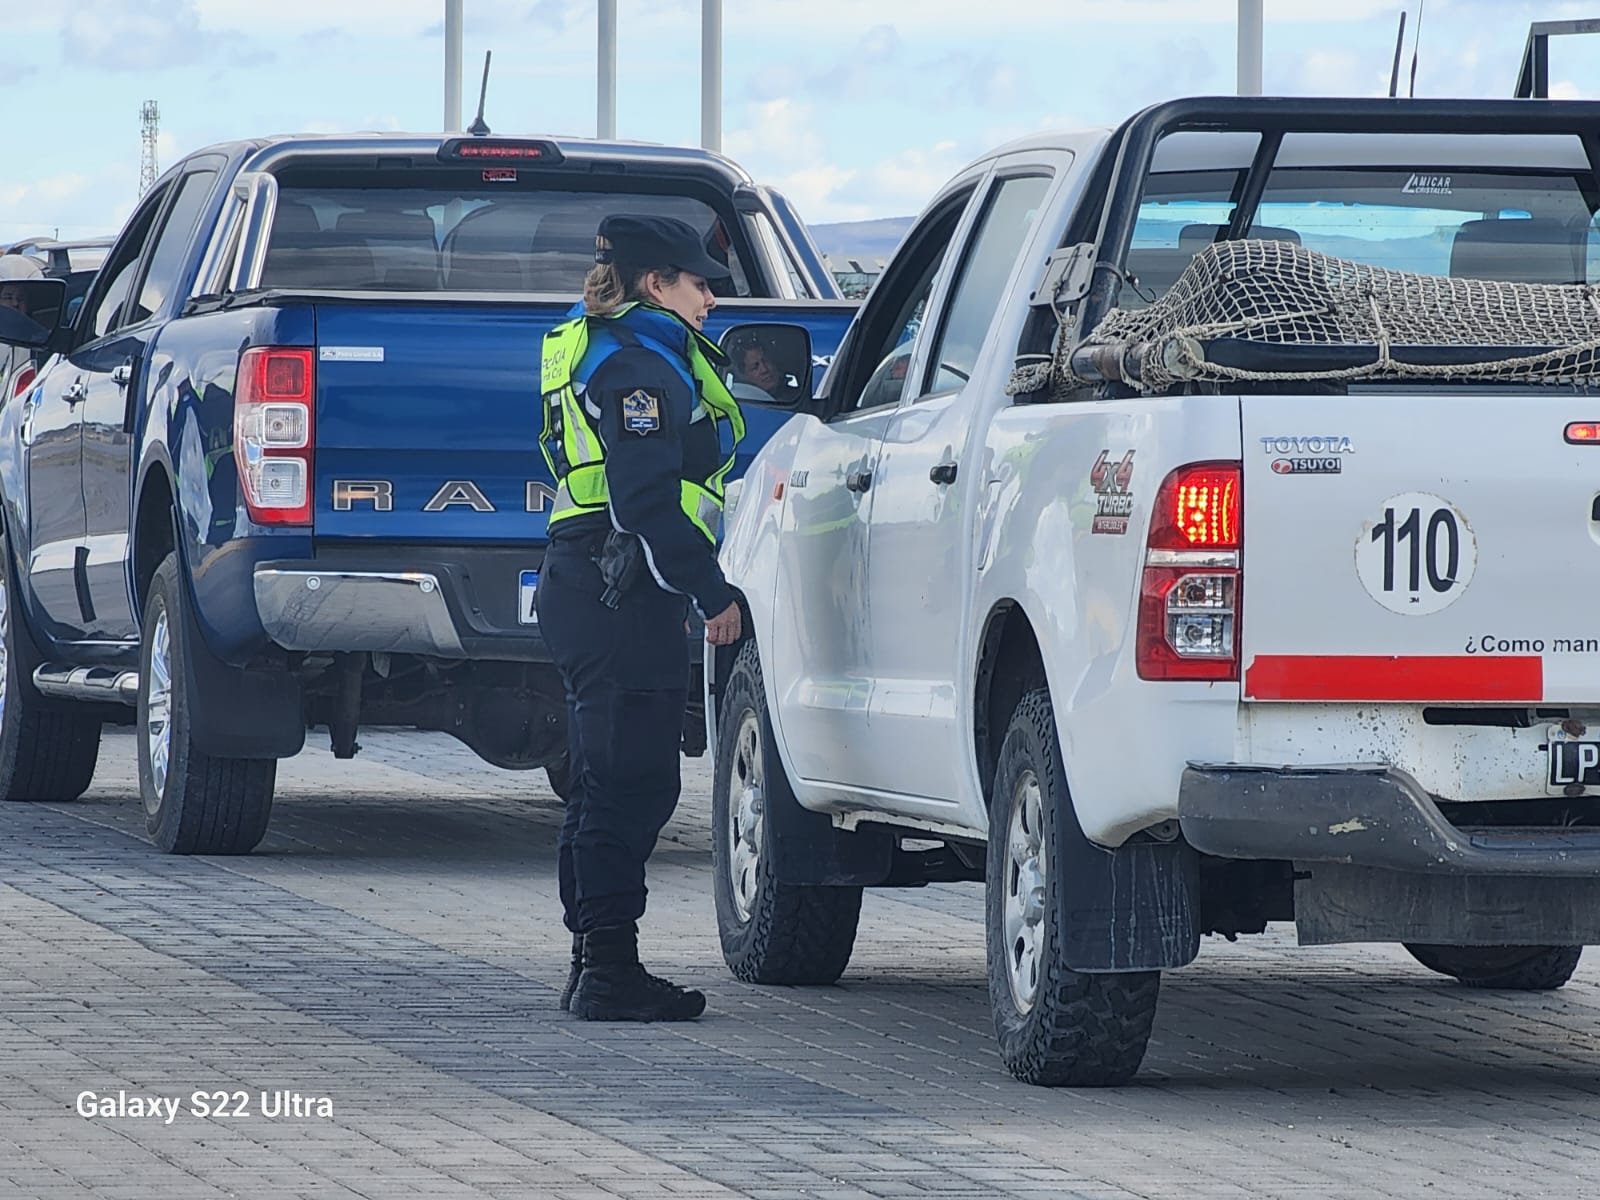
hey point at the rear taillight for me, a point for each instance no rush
(272, 433)
(1190, 594)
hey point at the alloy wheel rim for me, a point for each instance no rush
(746, 816)
(158, 706)
(1025, 882)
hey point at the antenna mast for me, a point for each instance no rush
(1399, 44)
(149, 127)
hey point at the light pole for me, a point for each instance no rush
(711, 74)
(606, 72)
(1250, 21)
(452, 65)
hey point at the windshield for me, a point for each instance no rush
(1524, 225)
(486, 238)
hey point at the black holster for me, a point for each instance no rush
(619, 561)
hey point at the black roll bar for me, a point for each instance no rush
(1272, 118)
(1533, 77)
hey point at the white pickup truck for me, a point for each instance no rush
(1199, 528)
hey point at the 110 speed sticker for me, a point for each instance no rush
(1418, 556)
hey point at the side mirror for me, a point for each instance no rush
(30, 310)
(768, 365)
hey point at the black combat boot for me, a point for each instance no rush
(573, 973)
(614, 987)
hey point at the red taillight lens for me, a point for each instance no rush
(1189, 597)
(24, 380)
(1197, 508)
(1583, 432)
(272, 428)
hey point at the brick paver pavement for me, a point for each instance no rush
(396, 947)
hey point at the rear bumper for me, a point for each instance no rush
(397, 612)
(454, 605)
(1367, 815)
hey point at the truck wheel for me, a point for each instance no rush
(772, 932)
(194, 803)
(1508, 968)
(45, 753)
(559, 774)
(1056, 1027)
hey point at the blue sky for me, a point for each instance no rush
(855, 108)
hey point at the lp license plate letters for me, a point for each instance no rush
(1574, 763)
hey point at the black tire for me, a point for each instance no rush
(1506, 968)
(195, 803)
(559, 775)
(47, 751)
(1056, 1027)
(771, 932)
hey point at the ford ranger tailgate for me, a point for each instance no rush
(1428, 546)
(427, 422)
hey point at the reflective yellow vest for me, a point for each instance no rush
(570, 439)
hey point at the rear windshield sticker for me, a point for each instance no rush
(1428, 185)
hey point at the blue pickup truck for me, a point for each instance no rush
(281, 470)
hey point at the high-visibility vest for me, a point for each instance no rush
(570, 437)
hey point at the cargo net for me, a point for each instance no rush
(1281, 295)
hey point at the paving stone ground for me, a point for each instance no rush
(396, 948)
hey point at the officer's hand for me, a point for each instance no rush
(723, 629)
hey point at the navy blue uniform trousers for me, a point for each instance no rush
(626, 672)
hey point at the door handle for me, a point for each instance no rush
(944, 472)
(858, 481)
(76, 392)
(122, 374)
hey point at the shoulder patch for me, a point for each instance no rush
(641, 412)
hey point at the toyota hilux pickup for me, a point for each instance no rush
(283, 468)
(1197, 528)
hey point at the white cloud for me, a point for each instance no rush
(145, 35)
(77, 203)
(1332, 72)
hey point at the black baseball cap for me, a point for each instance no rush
(649, 242)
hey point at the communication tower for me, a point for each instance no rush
(149, 125)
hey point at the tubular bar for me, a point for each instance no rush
(1533, 78)
(1272, 118)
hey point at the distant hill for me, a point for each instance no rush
(861, 239)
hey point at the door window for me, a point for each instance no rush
(105, 303)
(168, 255)
(980, 289)
(887, 331)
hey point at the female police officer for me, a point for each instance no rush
(634, 410)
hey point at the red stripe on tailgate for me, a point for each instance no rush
(1392, 677)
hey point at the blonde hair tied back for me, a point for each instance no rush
(607, 288)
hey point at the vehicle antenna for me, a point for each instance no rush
(1416, 47)
(1399, 43)
(479, 126)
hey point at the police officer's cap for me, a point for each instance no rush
(651, 242)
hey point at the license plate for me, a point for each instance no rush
(528, 598)
(1574, 763)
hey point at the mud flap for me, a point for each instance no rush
(238, 712)
(1135, 908)
(810, 850)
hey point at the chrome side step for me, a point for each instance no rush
(114, 685)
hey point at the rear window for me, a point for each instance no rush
(1519, 225)
(491, 238)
